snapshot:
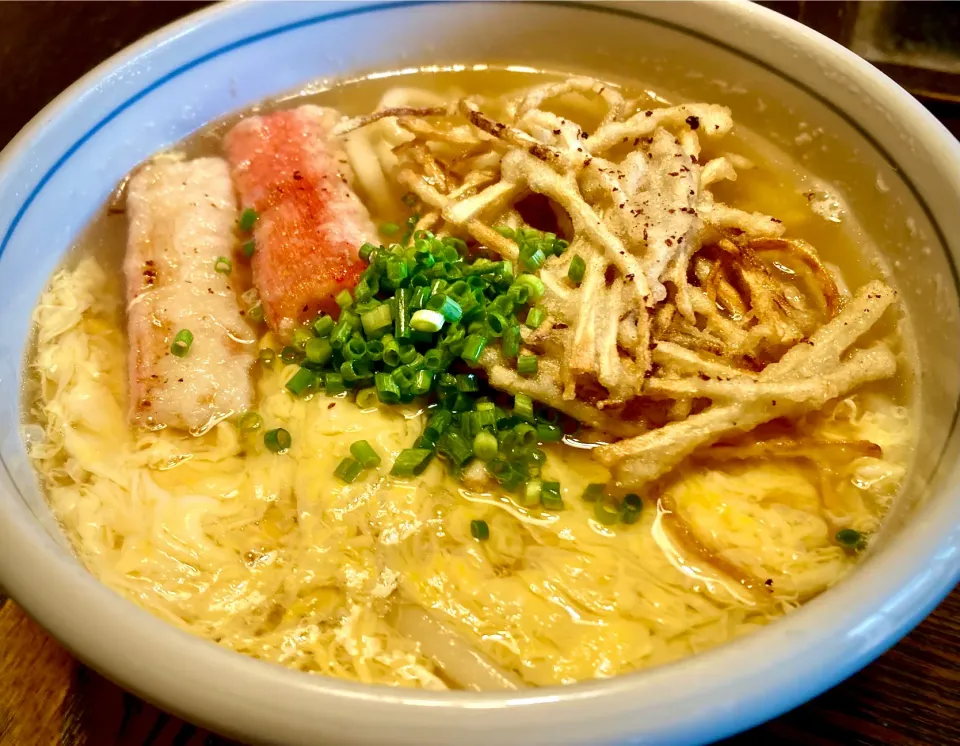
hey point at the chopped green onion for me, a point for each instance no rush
(302, 382)
(497, 324)
(367, 398)
(532, 491)
(181, 343)
(401, 318)
(407, 353)
(341, 333)
(467, 382)
(301, 337)
(606, 512)
(446, 306)
(519, 294)
(550, 496)
(533, 284)
(548, 433)
(485, 445)
(387, 389)
(532, 259)
(438, 424)
(849, 538)
(255, 313)
(455, 447)
(350, 371)
(404, 377)
(363, 452)
(594, 492)
(479, 530)
(379, 318)
(510, 342)
(422, 383)
(388, 229)
(411, 462)
(630, 508)
(523, 407)
(535, 317)
(344, 299)
(333, 382)
(250, 422)
(247, 219)
(375, 349)
(366, 250)
(348, 470)
(318, 351)
(267, 357)
(437, 359)
(248, 248)
(277, 440)
(223, 265)
(420, 295)
(290, 354)
(391, 352)
(355, 349)
(426, 320)
(576, 269)
(473, 347)
(527, 365)
(323, 325)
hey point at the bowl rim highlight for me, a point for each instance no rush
(734, 686)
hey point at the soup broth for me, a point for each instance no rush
(454, 577)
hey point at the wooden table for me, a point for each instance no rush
(910, 697)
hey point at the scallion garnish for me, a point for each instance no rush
(367, 398)
(550, 496)
(850, 538)
(256, 313)
(630, 508)
(318, 350)
(411, 462)
(532, 492)
(267, 357)
(323, 325)
(348, 470)
(479, 530)
(485, 445)
(363, 452)
(223, 265)
(248, 219)
(277, 440)
(248, 248)
(425, 320)
(606, 512)
(527, 365)
(181, 343)
(389, 229)
(594, 492)
(250, 422)
(377, 319)
(576, 269)
(333, 383)
(291, 354)
(344, 299)
(535, 317)
(303, 382)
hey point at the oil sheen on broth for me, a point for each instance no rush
(513, 559)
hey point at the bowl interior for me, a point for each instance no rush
(54, 179)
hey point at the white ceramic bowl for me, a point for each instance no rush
(897, 166)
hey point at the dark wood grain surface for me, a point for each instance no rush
(909, 697)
